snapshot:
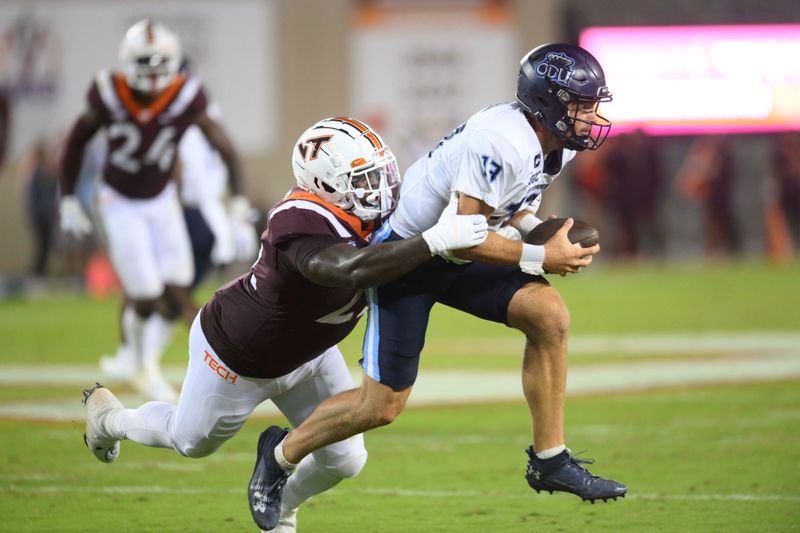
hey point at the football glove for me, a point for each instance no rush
(454, 232)
(73, 219)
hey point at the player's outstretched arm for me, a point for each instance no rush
(79, 136)
(342, 265)
(72, 218)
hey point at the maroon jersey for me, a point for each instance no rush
(273, 319)
(142, 139)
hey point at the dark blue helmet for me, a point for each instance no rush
(553, 75)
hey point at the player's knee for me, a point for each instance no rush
(387, 412)
(144, 307)
(379, 404)
(542, 315)
(195, 447)
(170, 305)
(348, 465)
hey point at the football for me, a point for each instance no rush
(580, 232)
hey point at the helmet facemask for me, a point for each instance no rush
(374, 189)
(565, 129)
(151, 73)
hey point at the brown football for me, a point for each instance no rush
(580, 232)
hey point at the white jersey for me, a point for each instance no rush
(494, 157)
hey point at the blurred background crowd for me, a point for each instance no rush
(669, 184)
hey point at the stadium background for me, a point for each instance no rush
(685, 363)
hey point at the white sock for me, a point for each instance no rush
(133, 326)
(281, 460)
(308, 479)
(147, 425)
(123, 352)
(551, 452)
(156, 337)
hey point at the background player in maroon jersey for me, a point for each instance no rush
(145, 110)
(272, 333)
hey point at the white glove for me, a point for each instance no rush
(239, 209)
(454, 232)
(247, 242)
(73, 219)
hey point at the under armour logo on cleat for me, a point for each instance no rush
(535, 473)
(260, 502)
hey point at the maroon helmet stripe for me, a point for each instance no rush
(149, 30)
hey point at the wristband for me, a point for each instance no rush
(527, 223)
(532, 259)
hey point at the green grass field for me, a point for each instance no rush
(708, 457)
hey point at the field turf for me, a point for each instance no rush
(706, 458)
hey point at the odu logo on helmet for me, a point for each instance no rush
(556, 66)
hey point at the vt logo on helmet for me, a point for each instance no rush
(346, 163)
(309, 149)
(562, 86)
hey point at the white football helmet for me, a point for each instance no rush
(150, 54)
(346, 163)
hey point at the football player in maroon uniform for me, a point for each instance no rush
(144, 110)
(272, 333)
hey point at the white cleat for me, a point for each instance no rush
(119, 367)
(287, 522)
(99, 402)
(151, 384)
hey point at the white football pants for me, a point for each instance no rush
(147, 241)
(215, 402)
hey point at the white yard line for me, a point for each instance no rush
(437, 387)
(749, 356)
(398, 492)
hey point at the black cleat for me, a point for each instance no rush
(564, 473)
(266, 486)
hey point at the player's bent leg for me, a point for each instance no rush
(326, 467)
(348, 413)
(215, 402)
(339, 417)
(304, 389)
(538, 311)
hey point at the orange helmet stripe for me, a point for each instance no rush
(363, 128)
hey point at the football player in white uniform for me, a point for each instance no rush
(145, 110)
(497, 165)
